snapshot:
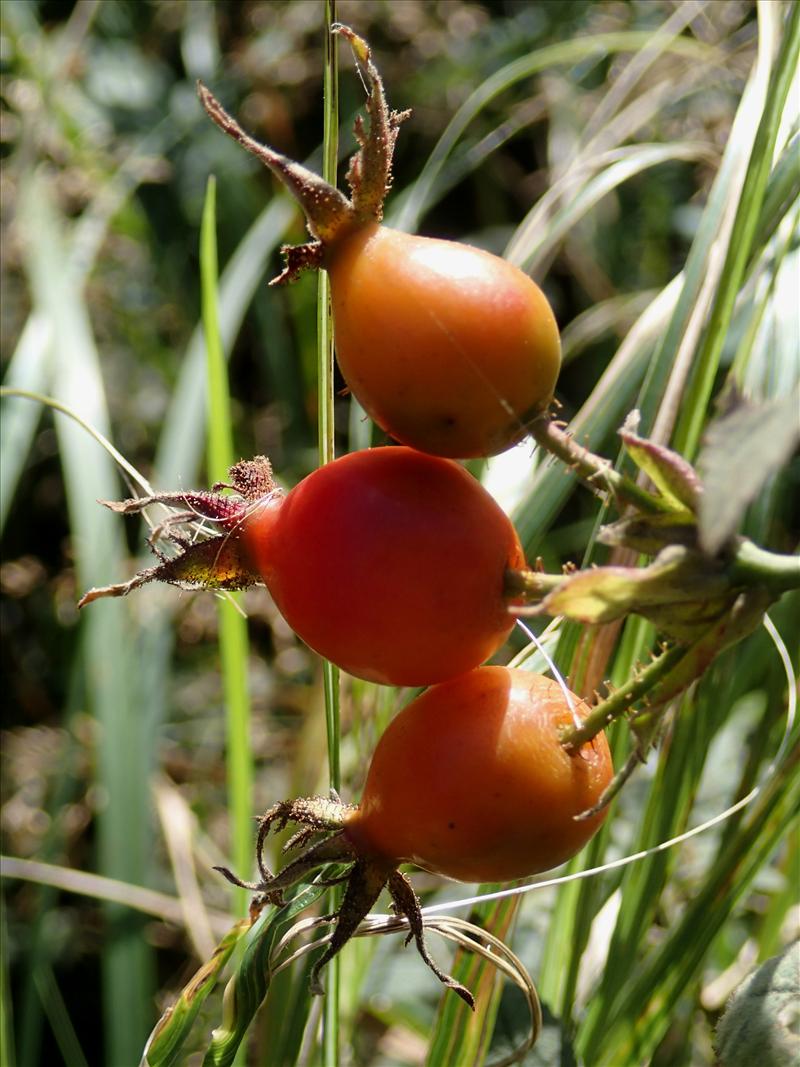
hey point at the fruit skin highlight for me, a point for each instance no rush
(470, 780)
(449, 348)
(389, 563)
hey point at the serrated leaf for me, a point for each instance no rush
(742, 450)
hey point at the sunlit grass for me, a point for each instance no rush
(624, 960)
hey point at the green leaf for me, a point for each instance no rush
(742, 450)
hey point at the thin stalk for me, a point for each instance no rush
(595, 471)
(530, 585)
(756, 566)
(616, 705)
(233, 641)
(325, 423)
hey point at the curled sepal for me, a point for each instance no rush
(675, 478)
(323, 822)
(211, 561)
(217, 563)
(370, 173)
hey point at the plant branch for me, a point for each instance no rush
(756, 566)
(619, 702)
(530, 585)
(594, 470)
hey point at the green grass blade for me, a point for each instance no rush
(678, 772)
(674, 351)
(564, 52)
(58, 1017)
(781, 194)
(460, 1035)
(621, 165)
(28, 369)
(6, 1013)
(124, 749)
(233, 640)
(180, 448)
(331, 1036)
(166, 1042)
(660, 984)
(220, 430)
(250, 983)
(745, 223)
(577, 903)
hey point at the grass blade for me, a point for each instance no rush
(460, 1035)
(233, 640)
(746, 220)
(250, 984)
(124, 754)
(166, 1042)
(325, 423)
(564, 52)
(28, 370)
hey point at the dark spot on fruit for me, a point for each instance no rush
(451, 826)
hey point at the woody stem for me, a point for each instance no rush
(592, 469)
(618, 703)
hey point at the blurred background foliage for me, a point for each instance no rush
(113, 726)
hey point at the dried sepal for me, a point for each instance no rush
(329, 213)
(202, 559)
(370, 172)
(216, 563)
(327, 210)
(325, 818)
(298, 259)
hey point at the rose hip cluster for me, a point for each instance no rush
(394, 562)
